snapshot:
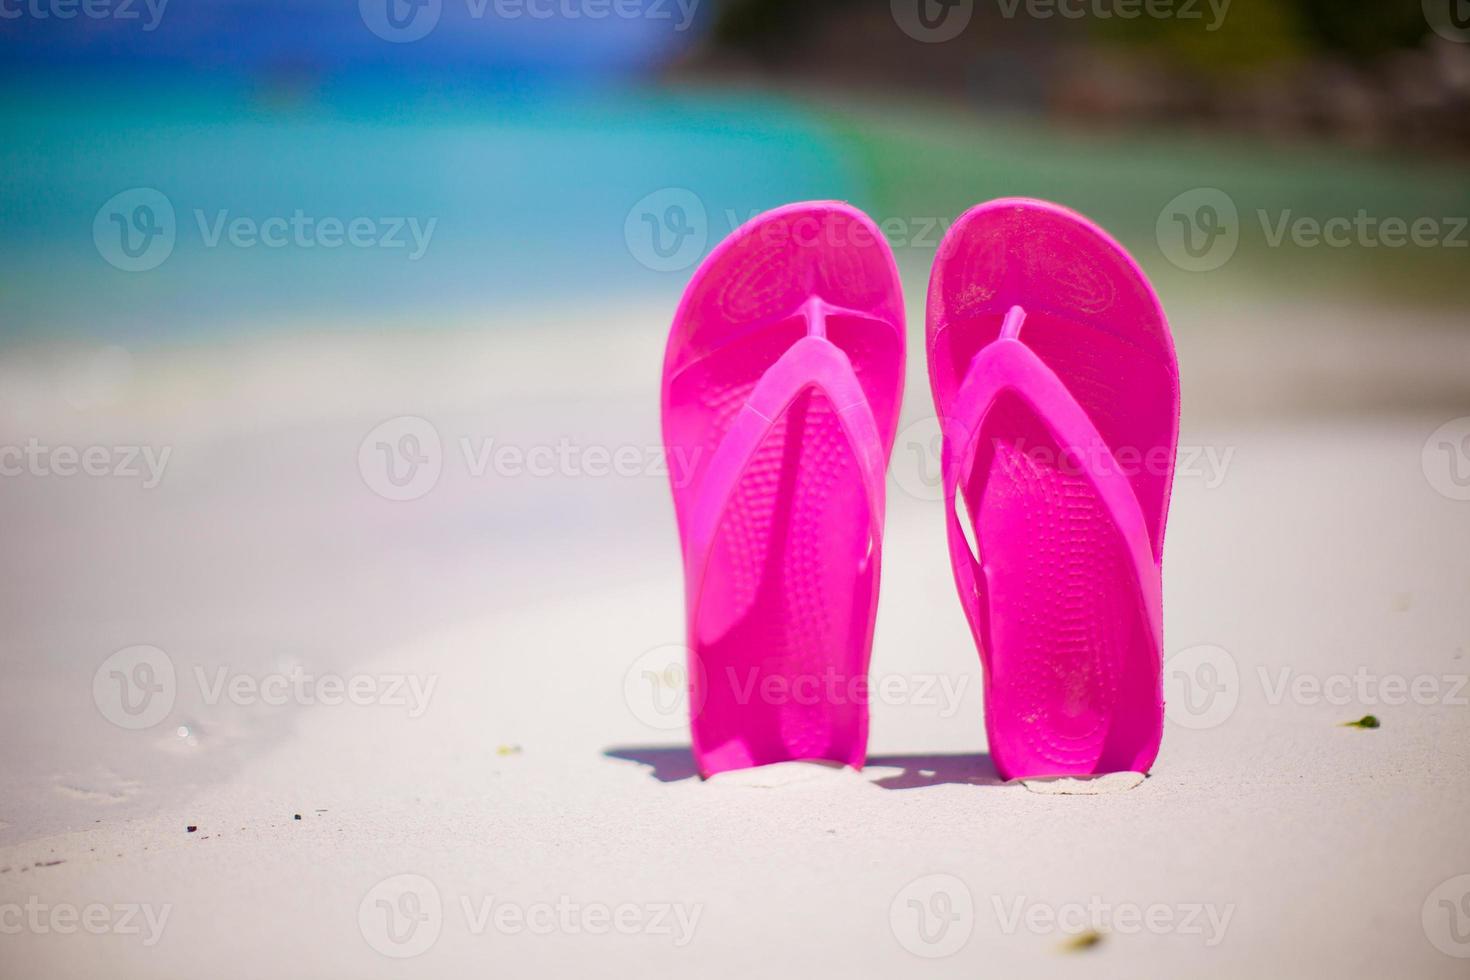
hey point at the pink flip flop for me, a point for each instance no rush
(781, 387)
(1055, 378)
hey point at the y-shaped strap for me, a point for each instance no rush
(1008, 365)
(811, 362)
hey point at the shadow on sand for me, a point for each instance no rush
(672, 764)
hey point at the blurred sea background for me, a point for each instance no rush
(528, 139)
(565, 171)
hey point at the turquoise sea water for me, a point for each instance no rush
(370, 204)
(464, 198)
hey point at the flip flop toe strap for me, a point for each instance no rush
(1008, 365)
(811, 362)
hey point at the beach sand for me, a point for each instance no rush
(530, 808)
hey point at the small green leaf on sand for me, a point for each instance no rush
(1083, 941)
(1367, 721)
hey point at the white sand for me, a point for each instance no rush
(1275, 842)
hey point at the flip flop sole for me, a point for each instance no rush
(1064, 471)
(782, 382)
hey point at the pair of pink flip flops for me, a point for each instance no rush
(1057, 389)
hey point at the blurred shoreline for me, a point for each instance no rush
(498, 200)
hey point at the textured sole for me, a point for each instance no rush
(782, 655)
(1068, 641)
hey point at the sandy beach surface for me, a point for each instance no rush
(263, 720)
